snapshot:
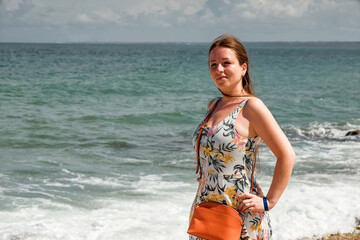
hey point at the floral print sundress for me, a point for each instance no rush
(227, 161)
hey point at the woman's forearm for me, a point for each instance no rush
(282, 173)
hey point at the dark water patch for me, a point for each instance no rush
(39, 121)
(120, 145)
(86, 119)
(154, 118)
(44, 136)
(29, 144)
(38, 102)
(29, 172)
(186, 134)
(87, 144)
(13, 117)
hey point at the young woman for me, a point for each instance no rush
(230, 139)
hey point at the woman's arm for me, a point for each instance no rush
(263, 123)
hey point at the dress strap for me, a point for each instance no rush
(237, 110)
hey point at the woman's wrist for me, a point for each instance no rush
(265, 202)
(270, 202)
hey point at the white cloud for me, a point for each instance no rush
(108, 15)
(193, 7)
(281, 8)
(189, 18)
(164, 7)
(156, 7)
(11, 5)
(208, 17)
(190, 10)
(249, 15)
(84, 18)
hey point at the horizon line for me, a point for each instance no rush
(173, 42)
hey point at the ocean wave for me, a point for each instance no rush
(326, 130)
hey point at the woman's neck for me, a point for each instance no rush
(234, 93)
(234, 96)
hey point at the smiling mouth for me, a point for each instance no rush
(221, 78)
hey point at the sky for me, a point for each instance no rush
(178, 20)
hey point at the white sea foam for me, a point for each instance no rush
(304, 210)
(80, 180)
(134, 160)
(163, 218)
(154, 184)
(50, 183)
(69, 172)
(103, 182)
(315, 202)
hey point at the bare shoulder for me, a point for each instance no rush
(255, 102)
(255, 108)
(261, 119)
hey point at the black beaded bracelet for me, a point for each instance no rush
(265, 204)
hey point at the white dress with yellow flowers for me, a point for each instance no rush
(227, 161)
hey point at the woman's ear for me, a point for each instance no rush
(244, 69)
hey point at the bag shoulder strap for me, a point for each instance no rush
(199, 137)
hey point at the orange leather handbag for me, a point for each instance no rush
(213, 220)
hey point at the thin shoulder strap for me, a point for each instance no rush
(243, 103)
(237, 110)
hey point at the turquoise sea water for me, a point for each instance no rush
(95, 139)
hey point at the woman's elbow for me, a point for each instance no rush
(291, 157)
(288, 158)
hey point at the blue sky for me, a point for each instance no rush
(178, 21)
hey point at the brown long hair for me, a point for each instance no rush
(230, 41)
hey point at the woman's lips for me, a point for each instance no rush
(221, 78)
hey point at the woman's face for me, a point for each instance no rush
(225, 70)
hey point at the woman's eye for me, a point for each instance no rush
(226, 63)
(213, 65)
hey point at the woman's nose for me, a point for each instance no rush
(220, 68)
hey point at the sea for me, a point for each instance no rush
(96, 138)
